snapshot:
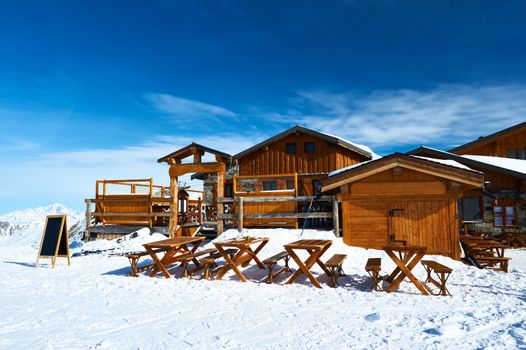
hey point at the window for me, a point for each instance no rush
(517, 153)
(270, 185)
(504, 216)
(290, 147)
(229, 190)
(470, 209)
(309, 147)
(316, 187)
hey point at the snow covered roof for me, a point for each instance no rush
(517, 165)
(363, 150)
(509, 166)
(446, 162)
(337, 171)
(441, 168)
(187, 150)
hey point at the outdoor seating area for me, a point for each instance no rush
(184, 257)
(406, 258)
(233, 254)
(485, 252)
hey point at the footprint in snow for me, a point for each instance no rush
(432, 331)
(372, 317)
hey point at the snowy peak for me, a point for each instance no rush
(25, 226)
(35, 214)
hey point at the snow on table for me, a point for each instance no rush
(93, 304)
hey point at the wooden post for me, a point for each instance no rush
(88, 221)
(200, 211)
(240, 214)
(220, 193)
(174, 219)
(336, 217)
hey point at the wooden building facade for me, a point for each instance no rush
(402, 198)
(291, 164)
(500, 204)
(507, 143)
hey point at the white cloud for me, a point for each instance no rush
(447, 114)
(69, 176)
(182, 107)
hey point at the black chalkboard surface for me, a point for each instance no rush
(54, 241)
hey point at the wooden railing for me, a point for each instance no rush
(239, 214)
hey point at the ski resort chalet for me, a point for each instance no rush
(305, 178)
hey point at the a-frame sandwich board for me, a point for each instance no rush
(54, 242)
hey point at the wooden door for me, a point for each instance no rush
(422, 223)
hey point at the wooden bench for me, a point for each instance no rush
(492, 261)
(134, 259)
(273, 260)
(441, 271)
(205, 262)
(373, 267)
(334, 264)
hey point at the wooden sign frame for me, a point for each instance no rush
(63, 231)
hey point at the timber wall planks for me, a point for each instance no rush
(498, 147)
(428, 218)
(275, 160)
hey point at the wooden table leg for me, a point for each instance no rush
(397, 270)
(405, 271)
(158, 264)
(231, 263)
(304, 267)
(321, 263)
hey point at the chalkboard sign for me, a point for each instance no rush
(54, 241)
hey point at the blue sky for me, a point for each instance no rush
(101, 89)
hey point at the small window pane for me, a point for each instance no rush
(509, 211)
(309, 147)
(291, 147)
(511, 153)
(270, 185)
(498, 221)
(316, 187)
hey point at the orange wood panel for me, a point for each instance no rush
(399, 188)
(274, 159)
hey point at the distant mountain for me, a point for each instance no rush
(25, 227)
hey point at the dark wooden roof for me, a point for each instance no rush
(489, 138)
(463, 175)
(435, 153)
(299, 129)
(187, 151)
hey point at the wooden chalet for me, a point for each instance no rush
(402, 198)
(280, 177)
(500, 204)
(507, 143)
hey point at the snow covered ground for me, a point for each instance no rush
(92, 304)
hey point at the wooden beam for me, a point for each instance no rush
(143, 214)
(174, 206)
(336, 217)
(317, 215)
(240, 214)
(278, 199)
(88, 221)
(181, 169)
(398, 188)
(220, 193)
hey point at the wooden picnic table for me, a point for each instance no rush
(316, 248)
(490, 246)
(173, 249)
(406, 259)
(243, 256)
(513, 238)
